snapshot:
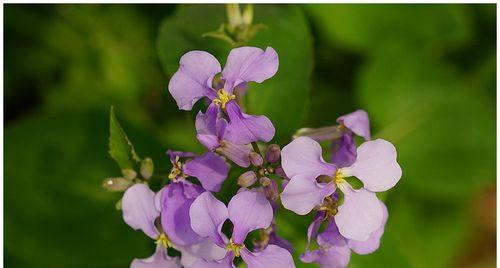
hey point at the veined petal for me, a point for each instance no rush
(239, 154)
(206, 122)
(357, 122)
(246, 64)
(376, 165)
(331, 236)
(328, 257)
(207, 217)
(189, 83)
(359, 215)
(139, 210)
(312, 230)
(344, 151)
(303, 193)
(302, 156)
(226, 262)
(249, 210)
(271, 256)
(206, 250)
(244, 128)
(373, 242)
(175, 214)
(159, 259)
(210, 169)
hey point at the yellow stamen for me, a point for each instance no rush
(339, 178)
(163, 240)
(223, 98)
(234, 247)
(176, 170)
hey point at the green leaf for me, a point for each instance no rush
(120, 147)
(286, 25)
(368, 27)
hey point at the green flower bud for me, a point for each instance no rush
(147, 168)
(116, 184)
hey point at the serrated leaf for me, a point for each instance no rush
(121, 148)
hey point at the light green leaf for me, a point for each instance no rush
(121, 148)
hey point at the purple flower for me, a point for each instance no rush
(140, 213)
(212, 130)
(344, 148)
(360, 213)
(210, 169)
(335, 250)
(194, 78)
(248, 211)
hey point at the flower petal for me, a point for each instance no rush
(331, 236)
(244, 128)
(207, 217)
(344, 151)
(139, 210)
(206, 122)
(239, 154)
(206, 250)
(249, 210)
(189, 83)
(226, 262)
(303, 193)
(312, 230)
(373, 242)
(359, 215)
(302, 156)
(328, 257)
(159, 259)
(175, 220)
(376, 165)
(245, 64)
(210, 169)
(357, 122)
(271, 256)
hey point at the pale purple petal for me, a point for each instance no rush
(357, 122)
(239, 154)
(226, 262)
(271, 256)
(303, 193)
(376, 165)
(302, 156)
(158, 197)
(139, 210)
(359, 215)
(189, 83)
(207, 217)
(312, 230)
(246, 64)
(210, 169)
(244, 128)
(373, 242)
(159, 259)
(210, 142)
(206, 250)
(331, 236)
(249, 210)
(344, 151)
(176, 201)
(206, 122)
(174, 154)
(328, 257)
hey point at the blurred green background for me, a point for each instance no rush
(424, 73)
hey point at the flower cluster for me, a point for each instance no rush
(186, 216)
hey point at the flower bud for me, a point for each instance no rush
(280, 172)
(129, 174)
(265, 181)
(247, 179)
(116, 184)
(271, 191)
(256, 159)
(273, 152)
(147, 168)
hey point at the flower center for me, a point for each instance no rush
(176, 171)
(234, 247)
(329, 206)
(163, 240)
(338, 178)
(223, 98)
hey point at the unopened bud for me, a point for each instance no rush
(271, 191)
(280, 172)
(273, 152)
(247, 179)
(129, 174)
(247, 16)
(265, 181)
(118, 205)
(256, 159)
(147, 168)
(116, 184)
